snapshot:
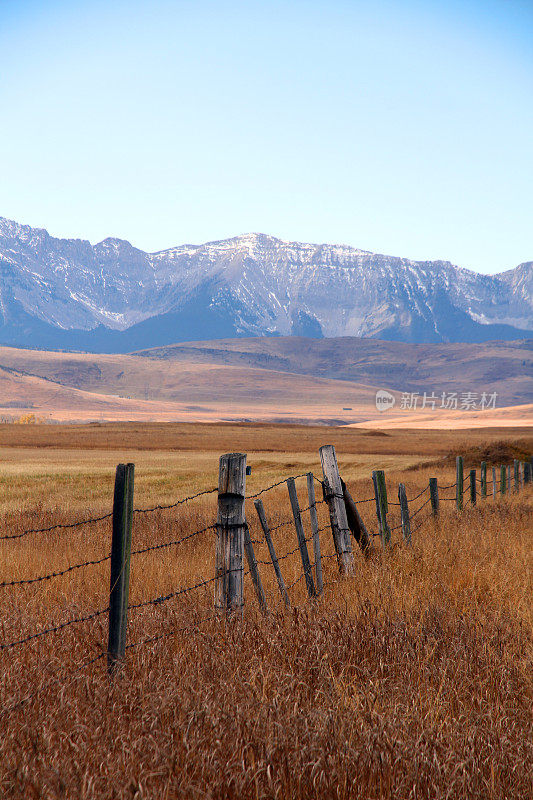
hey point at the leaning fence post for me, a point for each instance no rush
(494, 485)
(120, 565)
(459, 483)
(254, 572)
(300, 535)
(380, 491)
(503, 473)
(473, 487)
(271, 549)
(434, 496)
(483, 479)
(231, 520)
(404, 510)
(337, 510)
(315, 531)
(357, 526)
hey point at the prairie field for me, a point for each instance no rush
(411, 678)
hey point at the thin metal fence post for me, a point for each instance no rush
(459, 483)
(434, 495)
(120, 565)
(231, 521)
(473, 498)
(382, 507)
(404, 510)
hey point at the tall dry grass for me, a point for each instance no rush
(410, 680)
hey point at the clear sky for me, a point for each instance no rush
(401, 127)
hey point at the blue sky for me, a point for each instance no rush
(400, 127)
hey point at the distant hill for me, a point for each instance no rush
(283, 379)
(502, 367)
(113, 297)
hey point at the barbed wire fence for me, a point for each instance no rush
(233, 543)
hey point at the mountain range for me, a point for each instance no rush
(112, 297)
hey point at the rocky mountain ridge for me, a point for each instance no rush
(112, 296)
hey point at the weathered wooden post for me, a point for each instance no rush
(516, 472)
(382, 506)
(434, 496)
(473, 487)
(527, 472)
(315, 532)
(494, 483)
(503, 473)
(120, 565)
(337, 510)
(357, 526)
(521, 472)
(483, 479)
(254, 572)
(231, 520)
(300, 535)
(404, 511)
(459, 483)
(509, 473)
(271, 549)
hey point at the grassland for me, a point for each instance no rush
(411, 680)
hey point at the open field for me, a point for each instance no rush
(412, 679)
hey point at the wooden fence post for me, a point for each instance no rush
(521, 471)
(473, 497)
(516, 466)
(494, 484)
(382, 506)
(503, 473)
(314, 530)
(120, 565)
(434, 495)
(272, 550)
(404, 510)
(357, 526)
(527, 472)
(300, 535)
(509, 473)
(459, 483)
(483, 479)
(337, 509)
(231, 520)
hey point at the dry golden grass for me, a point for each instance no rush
(410, 680)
